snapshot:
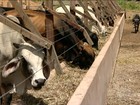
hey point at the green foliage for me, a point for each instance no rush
(129, 4)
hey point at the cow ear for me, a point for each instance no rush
(11, 67)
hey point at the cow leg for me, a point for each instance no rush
(7, 98)
(138, 27)
(3, 102)
(135, 27)
(0, 93)
(0, 101)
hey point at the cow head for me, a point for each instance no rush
(34, 55)
(34, 64)
(13, 78)
(85, 57)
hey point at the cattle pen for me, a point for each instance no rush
(92, 86)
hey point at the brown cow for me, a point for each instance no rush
(69, 46)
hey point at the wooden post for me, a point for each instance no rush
(66, 10)
(85, 10)
(96, 10)
(24, 17)
(72, 7)
(86, 35)
(49, 21)
(117, 6)
(71, 17)
(28, 7)
(111, 2)
(106, 11)
(99, 14)
(9, 4)
(80, 28)
(52, 57)
(26, 2)
(26, 20)
(1, 3)
(86, 7)
(21, 3)
(26, 33)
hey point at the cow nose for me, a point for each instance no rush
(40, 82)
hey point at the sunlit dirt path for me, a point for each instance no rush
(124, 88)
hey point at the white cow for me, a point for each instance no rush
(102, 29)
(27, 61)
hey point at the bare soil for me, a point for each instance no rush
(124, 88)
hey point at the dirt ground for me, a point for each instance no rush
(125, 84)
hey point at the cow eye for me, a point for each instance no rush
(80, 53)
(30, 69)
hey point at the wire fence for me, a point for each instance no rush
(31, 4)
(5, 33)
(42, 49)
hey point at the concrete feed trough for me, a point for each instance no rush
(93, 88)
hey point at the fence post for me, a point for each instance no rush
(86, 7)
(66, 10)
(28, 5)
(28, 23)
(72, 7)
(52, 58)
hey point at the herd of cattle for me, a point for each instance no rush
(24, 65)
